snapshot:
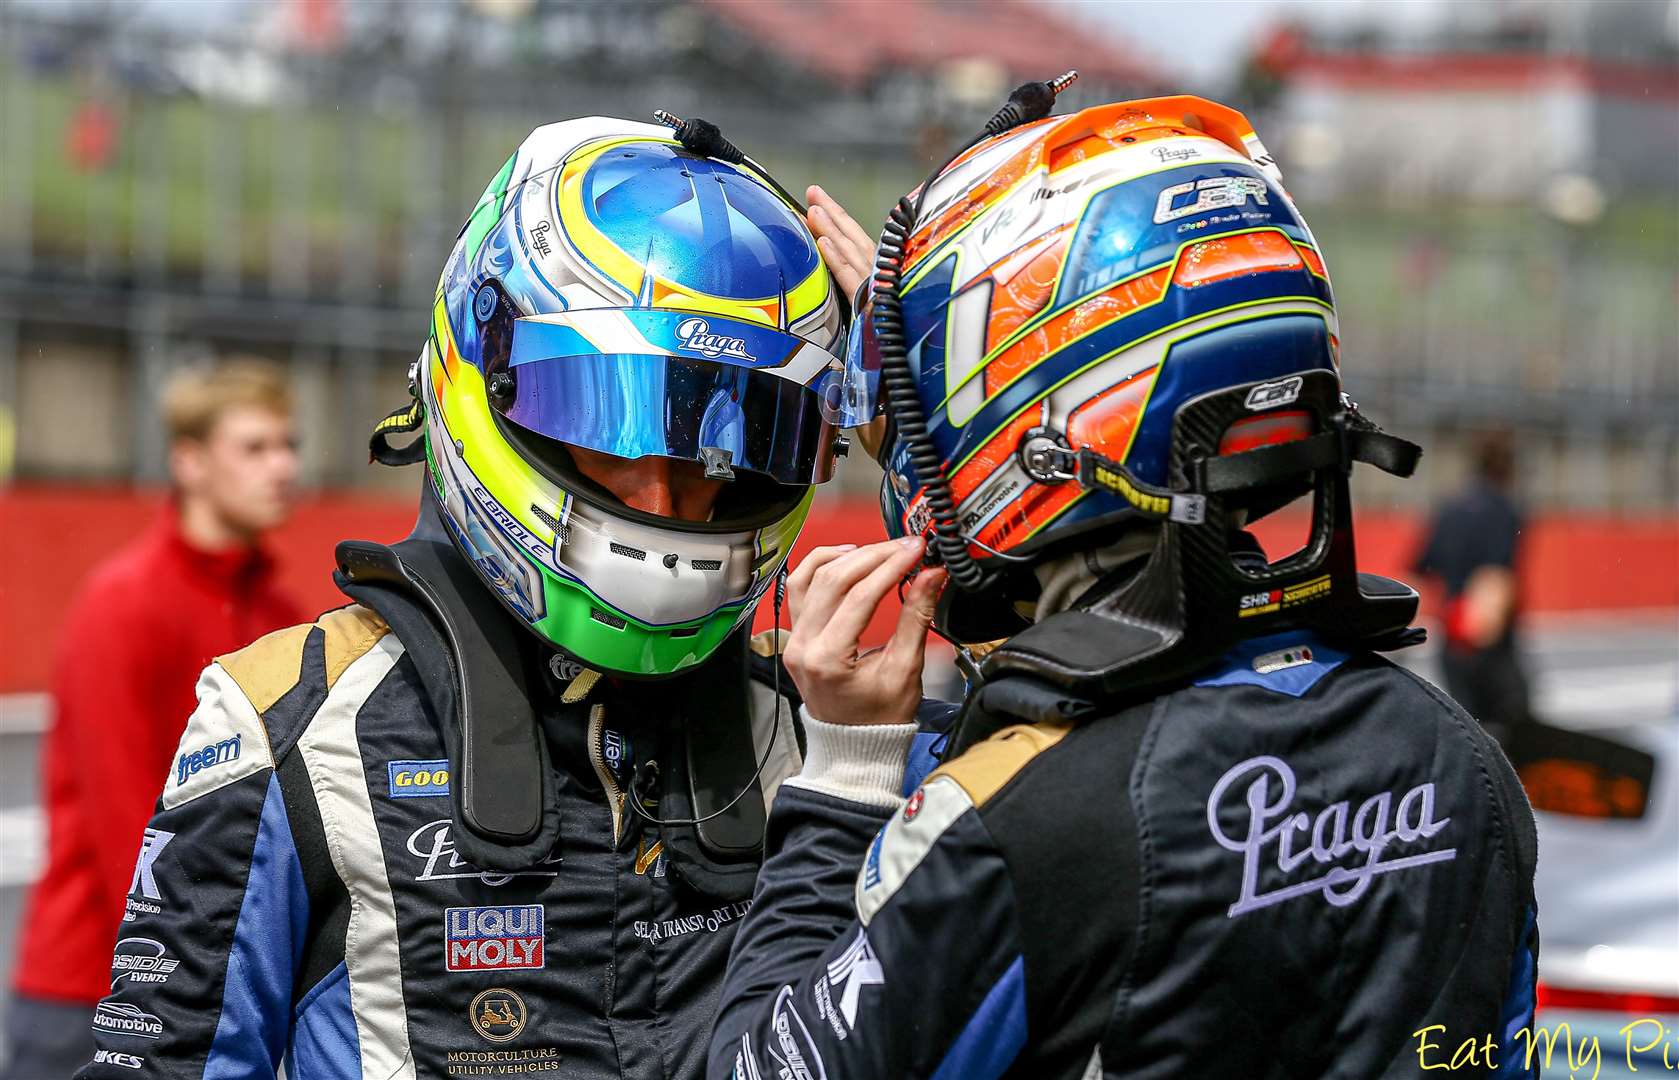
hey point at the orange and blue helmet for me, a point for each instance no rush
(1065, 287)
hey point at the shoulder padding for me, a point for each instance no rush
(984, 770)
(350, 633)
(271, 666)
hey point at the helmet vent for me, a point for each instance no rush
(606, 618)
(706, 564)
(629, 552)
(686, 631)
(546, 518)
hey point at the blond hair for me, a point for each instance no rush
(194, 400)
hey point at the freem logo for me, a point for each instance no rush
(418, 779)
(212, 755)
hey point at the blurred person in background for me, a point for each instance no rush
(503, 812)
(1472, 548)
(137, 634)
(1189, 822)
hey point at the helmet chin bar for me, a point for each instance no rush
(1194, 598)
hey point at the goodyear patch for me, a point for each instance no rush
(418, 779)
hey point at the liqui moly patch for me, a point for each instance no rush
(493, 938)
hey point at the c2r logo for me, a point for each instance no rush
(418, 779)
(1204, 196)
(1271, 394)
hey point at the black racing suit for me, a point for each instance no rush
(301, 899)
(1309, 863)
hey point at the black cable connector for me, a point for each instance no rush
(1030, 101)
(701, 137)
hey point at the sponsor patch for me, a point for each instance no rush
(746, 1062)
(223, 742)
(1205, 196)
(121, 1018)
(121, 1060)
(615, 751)
(434, 842)
(520, 1061)
(1264, 603)
(141, 960)
(417, 779)
(491, 938)
(1271, 394)
(905, 841)
(650, 858)
(871, 862)
(143, 893)
(664, 929)
(794, 1052)
(207, 757)
(913, 806)
(851, 971)
(694, 335)
(498, 1015)
(1262, 790)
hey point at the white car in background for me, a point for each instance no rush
(1608, 892)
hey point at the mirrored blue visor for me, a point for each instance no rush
(731, 408)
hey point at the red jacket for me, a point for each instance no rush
(142, 628)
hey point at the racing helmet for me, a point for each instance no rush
(615, 291)
(1064, 288)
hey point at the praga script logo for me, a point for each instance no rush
(694, 335)
(1293, 838)
(435, 843)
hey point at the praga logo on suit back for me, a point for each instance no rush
(1325, 839)
(484, 938)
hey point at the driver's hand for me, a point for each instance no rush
(845, 246)
(831, 597)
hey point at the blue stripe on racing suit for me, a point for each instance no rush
(267, 948)
(324, 1040)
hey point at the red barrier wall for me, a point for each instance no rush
(51, 536)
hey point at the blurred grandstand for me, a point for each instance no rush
(1500, 215)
